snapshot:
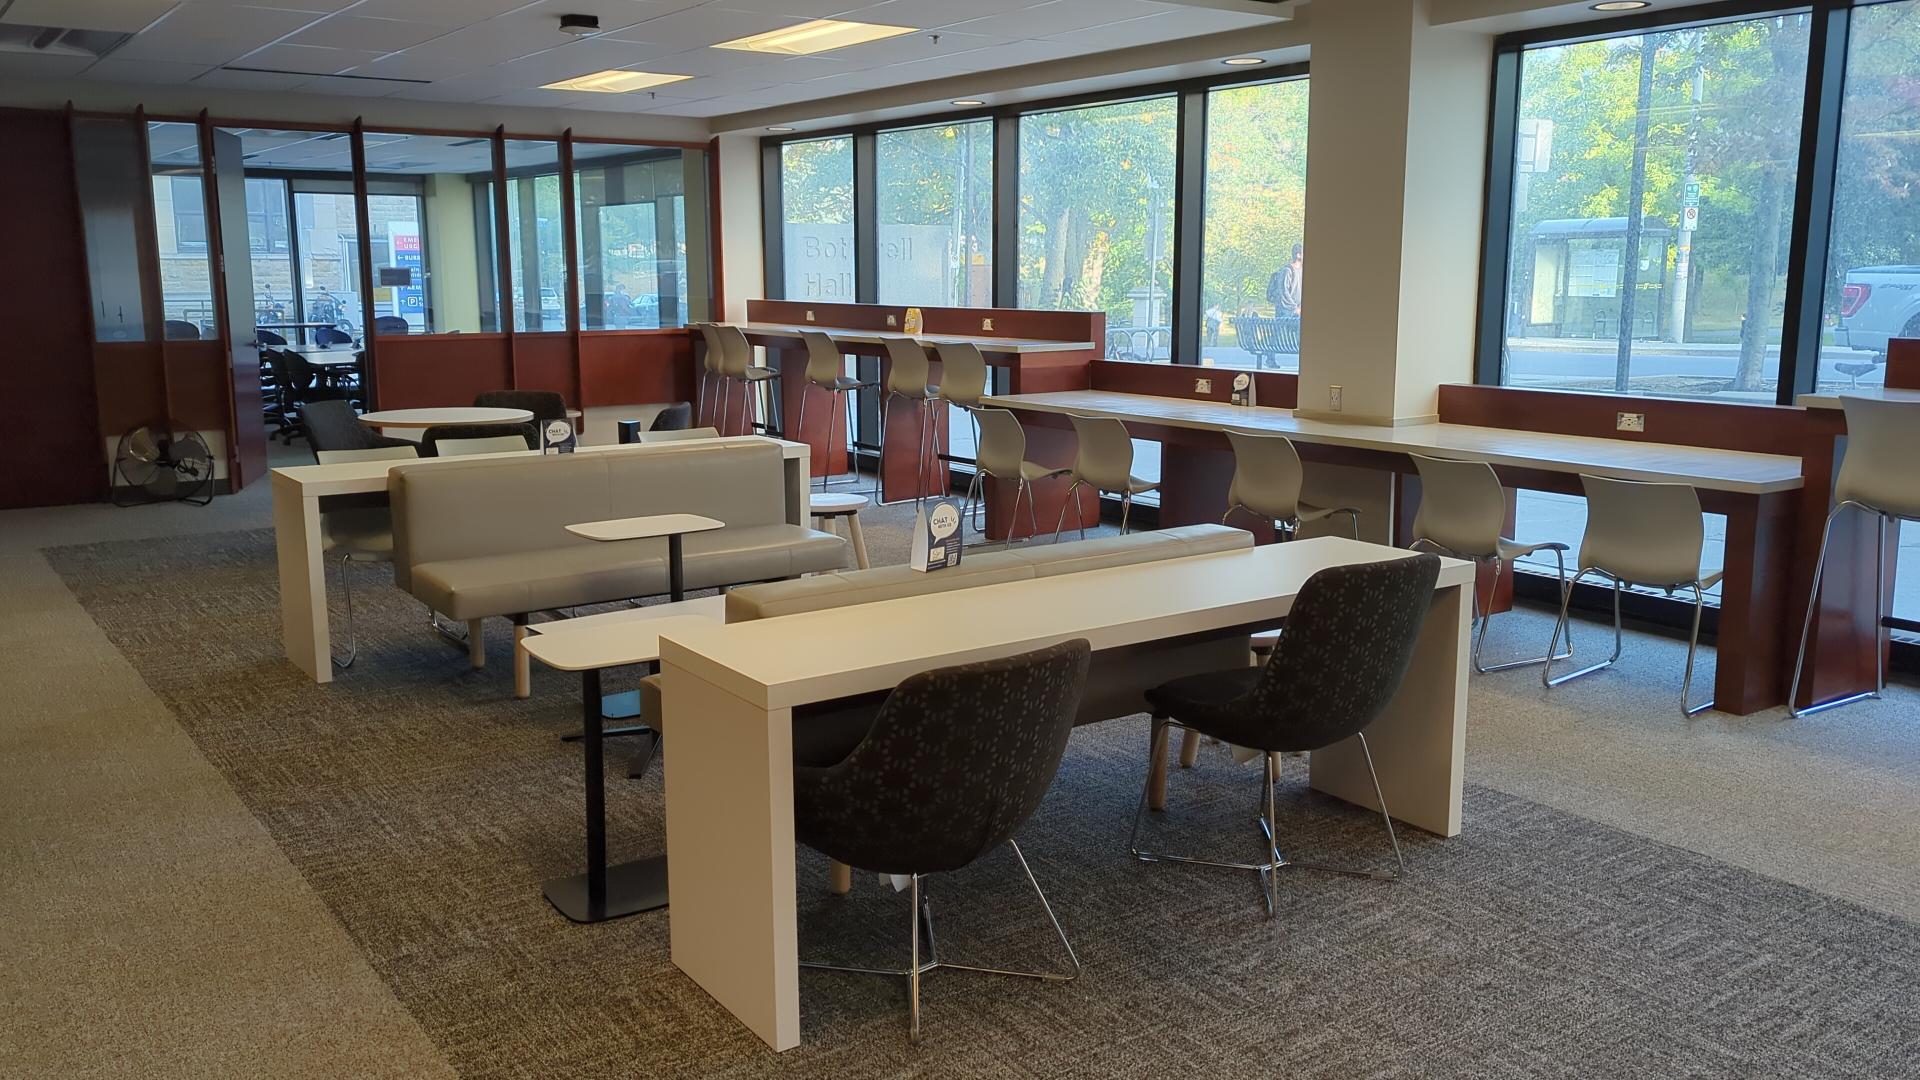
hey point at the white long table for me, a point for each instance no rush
(730, 690)
(299, 545)
(1733, 471)
(989, 344)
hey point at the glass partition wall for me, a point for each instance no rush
(1072, 205)
(630, 205)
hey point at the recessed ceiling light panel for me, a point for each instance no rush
(967, 103)
(1621, 5)
(818, 36)
(779, 129)
(615, 82)
(1243, 61)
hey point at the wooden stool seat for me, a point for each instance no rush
(830, 506)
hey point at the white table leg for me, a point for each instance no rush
(1420, 742)
(730, 852)
(303, 581)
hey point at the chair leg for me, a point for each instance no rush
(1693, 646)
(840, 878)
(801, 428)
(913, 969)
(476, 644)
(1189, 748)
(1547, 678)
(1073, 492)
(1484, 611)
(346, 586)
(1157, 764)
(1126, 509)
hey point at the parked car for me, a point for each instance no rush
(1878, 303)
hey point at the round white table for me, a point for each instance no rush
(456, 416)
(826, 507)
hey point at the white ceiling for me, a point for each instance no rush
(500, 51)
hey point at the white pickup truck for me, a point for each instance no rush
(1877, 303)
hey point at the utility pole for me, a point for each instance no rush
(1636, 195)
(1689, 221)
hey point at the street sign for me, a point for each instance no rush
(1692, 197)
(1689, 219)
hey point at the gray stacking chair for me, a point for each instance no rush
(1103, 461)
(1876, 477)
(827, 369)
(1001, 453)
(910, 376)
(1640, 534)
(358, 534)
(1267, 478)
(963, 381)
(712, 374)
(1463, 511)
(737, 366)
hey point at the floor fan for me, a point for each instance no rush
(162, 463)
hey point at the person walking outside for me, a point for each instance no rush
(1283, 288)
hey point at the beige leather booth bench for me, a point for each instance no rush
(485, 538)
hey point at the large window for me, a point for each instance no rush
(180, 226)
(1872, 289)
(1096, 219)
(433, 224)
(816, 200)
(1253, 265)
(1653, 188)
(535, 243)
(631, 206)
(934, 192)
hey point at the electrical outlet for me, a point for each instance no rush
(986, 325)
(1333, 398)
(1630, 421)
(809, 315)
(891, 321)
(1203, 386)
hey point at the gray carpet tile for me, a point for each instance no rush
(425, 805)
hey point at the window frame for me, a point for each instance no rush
(1812, 202)
(1189, 207)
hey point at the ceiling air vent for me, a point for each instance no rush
(54, 41)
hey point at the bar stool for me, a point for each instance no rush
(1001, 453)
(1883, 441)
(358, 534)
(827, 369)
(909, 376)
(711, 374)
(963, 381)
(1463, 510)
(1103, 461)
(737, 366)
(1640, 534)
(829, 507)
(1267, 479)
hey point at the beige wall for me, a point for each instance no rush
(453, 259)
(741, 254)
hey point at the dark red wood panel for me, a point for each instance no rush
(1755, 428)
(1279, 389)
(1845, 635)
(47, 364)
(128, 388)
(440, 369)
(635, 367)
(1903, 364)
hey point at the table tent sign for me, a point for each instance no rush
(558, 437)
(936, 535)
(1243, 389)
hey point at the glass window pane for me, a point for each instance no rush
(299, 187)
(428, 205)
(630, 203)
(1096, 219)
(107, 171)
(816, 199)
(1252, 265)
(935, 209)
(1873, 282)
(534, 243)
(180, 226)
(1681, 294)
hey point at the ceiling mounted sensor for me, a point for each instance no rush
(615, 82)
(818, 36)
(580, 25)
(55, 41)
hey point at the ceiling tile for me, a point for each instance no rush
(579, 58)
(444, 12)
(156, 72)
(911, 47)
(355, 32)
(209, 34)
(805, 9)
(543, 99)
(1062, 17)
(700, 27)
(366, 88)
(41, 65)
(123, 16)
(928, 14)
(308, 58)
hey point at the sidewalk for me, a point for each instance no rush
(1694, 348)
